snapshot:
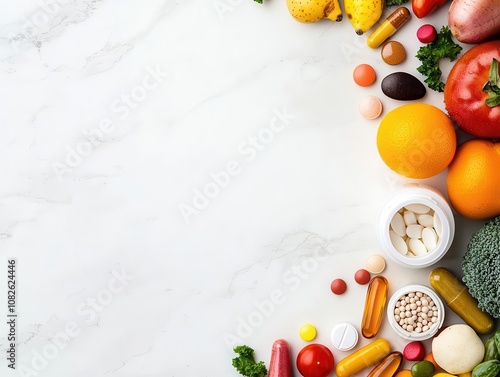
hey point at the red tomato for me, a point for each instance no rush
(315, 360)
(422, 8)
(464, 98)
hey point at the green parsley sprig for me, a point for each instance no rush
(390, 3)
(245, 363)
(443, 47)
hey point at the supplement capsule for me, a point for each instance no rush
(376, 297)
(366, 356)
(391, 24)
(457, 297)
(280, 364)
(388, 366)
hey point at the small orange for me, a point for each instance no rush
(416, 140)
(473, 179)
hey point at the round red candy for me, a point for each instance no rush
(338, 286)
(362, 276)
(414, 351)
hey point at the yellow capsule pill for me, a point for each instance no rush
(366, 356)
(391, 24)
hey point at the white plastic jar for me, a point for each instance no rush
(416, 194)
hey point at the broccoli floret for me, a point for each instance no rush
(481, 267)
(245, 363)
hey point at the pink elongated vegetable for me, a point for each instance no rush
(281, 364)
(474, 21)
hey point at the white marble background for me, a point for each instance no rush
(182, 176)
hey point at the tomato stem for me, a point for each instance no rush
(492, 87)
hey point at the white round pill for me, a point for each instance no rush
(375, 264)
(344, 336)
(370, 107)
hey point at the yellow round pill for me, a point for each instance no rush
(308, 332)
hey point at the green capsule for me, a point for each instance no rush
(422, 368)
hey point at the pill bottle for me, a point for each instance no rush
(398, 329)
(416, 194)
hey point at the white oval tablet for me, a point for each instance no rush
(344, 336)
(409, 218)
(418, 208)
(425, 220)
(398, 224)
(417, 247)
(398, 242)
(414, 231)
(437, 225)
(429, 237)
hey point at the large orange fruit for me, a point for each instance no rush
(416, 140)
(474, 179)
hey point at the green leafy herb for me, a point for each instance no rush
(492, 87)
(258, 1)
(245, 363)
(390, 3)
(443, 47)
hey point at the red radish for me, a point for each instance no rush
(474, 21)
(280, 364)
(426, 33)
(414, 351)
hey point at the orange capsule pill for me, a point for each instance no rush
(388, 366)
(376, 297)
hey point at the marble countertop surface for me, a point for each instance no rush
(180, 177)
